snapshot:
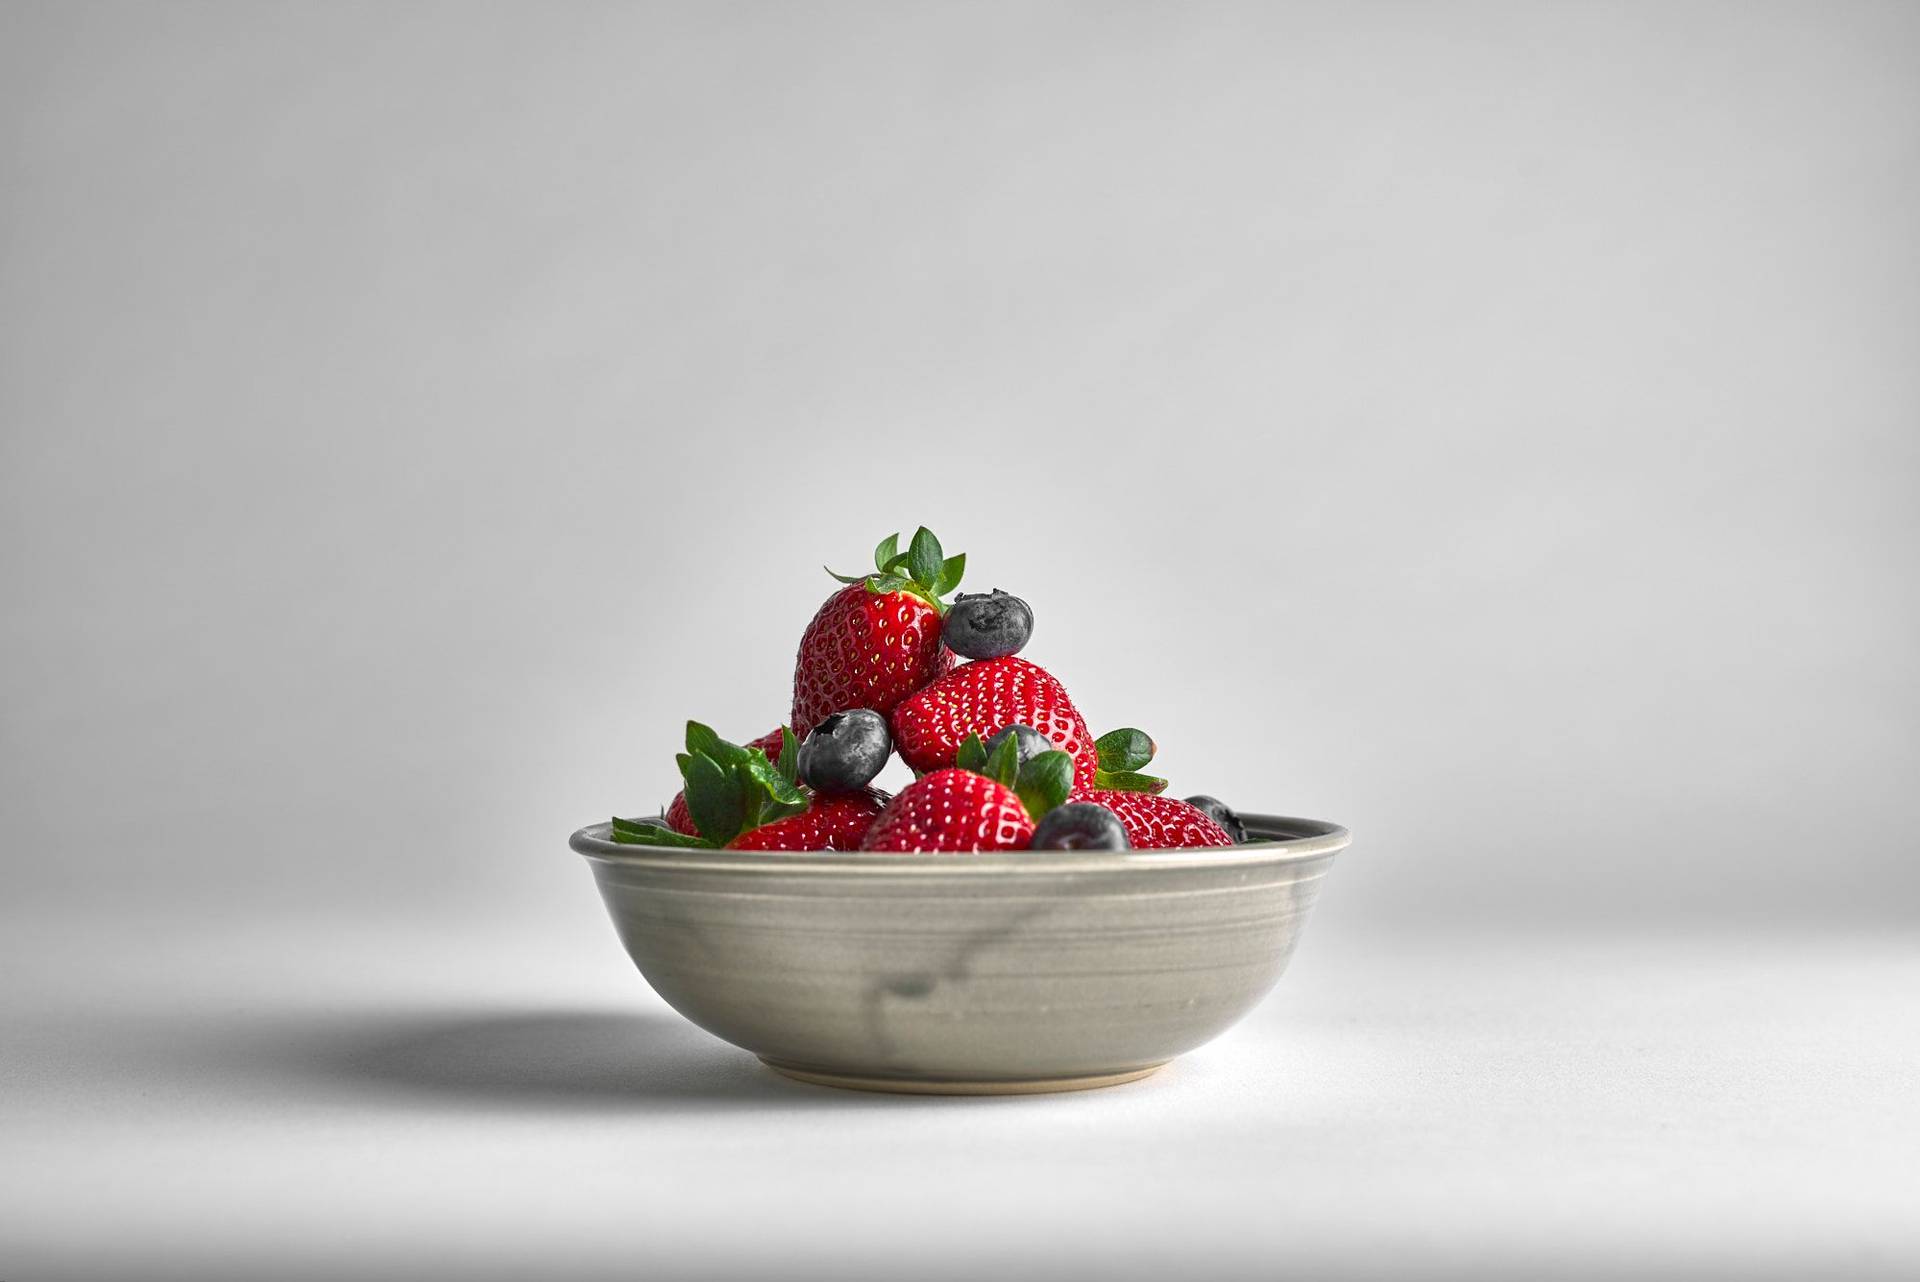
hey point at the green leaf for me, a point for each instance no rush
(629, 833)
(879, 583)
(924, 559)
(1123, 749)
(895, 564)
(703, 742)
(845, 578)
(789, 763)
(1003, 763)
(714, 799)
(1045, 782)
(768, 779)
(1128, 781)
(972, 755)
(701, 739)
(949, 579)
(888, 549)
(768, 794)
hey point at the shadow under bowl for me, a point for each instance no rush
(978, 974)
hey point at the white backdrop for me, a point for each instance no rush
(1493, 427)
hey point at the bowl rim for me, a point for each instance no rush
(1298, 840)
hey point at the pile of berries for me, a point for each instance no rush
(1003, 759)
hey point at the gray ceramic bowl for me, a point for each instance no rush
(982, 974)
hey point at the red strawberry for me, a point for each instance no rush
(984, 698)
(680, 819)
(836, 822)
(877, 640)
(771, 741)
(1158, 823)
(952, 810)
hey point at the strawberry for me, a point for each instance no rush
(984, 698)
(680, 819)
(1158, 823)
(877, 640)
(772, 742)
(988, 802)
(952, 810)
(830, 822)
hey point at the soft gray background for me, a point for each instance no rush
(1494, 426)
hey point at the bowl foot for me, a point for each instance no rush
(936, 1086)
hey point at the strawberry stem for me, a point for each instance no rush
(924, 570)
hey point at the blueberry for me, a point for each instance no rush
(1221, 813)
(987, 625)
(1032, 742)
(1080, 825)
(845, 752)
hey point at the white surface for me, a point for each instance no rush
(321, 1099)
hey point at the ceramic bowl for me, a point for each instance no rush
(993, 973)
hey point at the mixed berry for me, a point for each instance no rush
(1002, 758)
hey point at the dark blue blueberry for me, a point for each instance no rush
(1080, 825)
(1221, 813)
(987, 625)
(845, 752)
(1032, 742)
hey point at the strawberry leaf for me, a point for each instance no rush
(1128, 781)
(895, 564)
(714, 799)
(701, 740)
(628, 832)
(972, 755)
(1123, 749)
(764, 801)
(888, 549)
(844, 578)
(789, 763)
(768, 781)
(950, 572)
(1003, 763)
(882, 583)
(924, 558)
(1045, 782)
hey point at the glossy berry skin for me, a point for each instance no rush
(846, 751)
(1032, 742)
(984, 698)
(951, 810)
(837, 822)
(1159, 823)
(866, 650)
(680, 819)
(988, 625)
(1221, 813)
(1080, 825)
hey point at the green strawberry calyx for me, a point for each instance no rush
(729, 790)
(1123, 753)
(923, 570)
(1042, 783)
